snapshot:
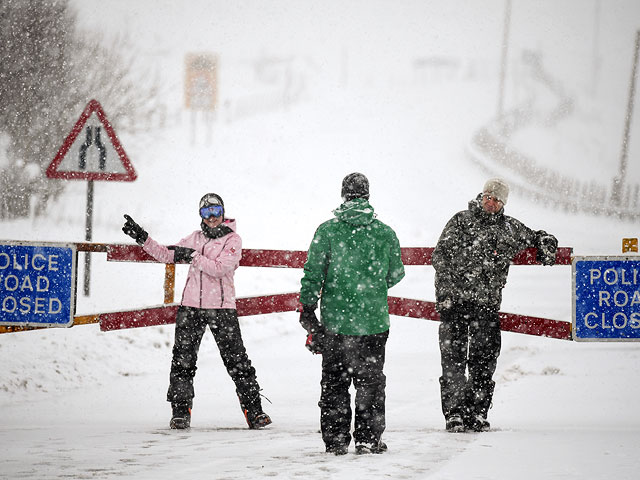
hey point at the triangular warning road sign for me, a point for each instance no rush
(87, 155)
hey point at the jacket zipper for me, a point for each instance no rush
(201, 272)
(221, 285)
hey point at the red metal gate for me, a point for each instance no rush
(285, 302)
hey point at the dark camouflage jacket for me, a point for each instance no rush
(474, 252)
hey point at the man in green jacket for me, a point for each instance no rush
(352, 262)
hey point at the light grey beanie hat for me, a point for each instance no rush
(498, 188)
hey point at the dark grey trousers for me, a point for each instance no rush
(469, 337)
(191, 324)
(358, 359)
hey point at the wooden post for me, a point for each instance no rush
(169, 282)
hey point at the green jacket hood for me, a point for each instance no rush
(355, 212)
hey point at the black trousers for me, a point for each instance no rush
(358, 359)
(191, 324)
(470, 341)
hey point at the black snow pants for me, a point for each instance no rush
(358, 359)
(191, 324)
(469, 340)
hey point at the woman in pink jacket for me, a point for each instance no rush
(209, 298)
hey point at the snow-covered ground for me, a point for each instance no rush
(80, 403)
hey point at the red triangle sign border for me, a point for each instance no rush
(52, 169)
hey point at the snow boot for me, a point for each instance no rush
(454, 424)
(257, 421)
(337, 449)
(479, 423)
(363, 448)
(181, 417)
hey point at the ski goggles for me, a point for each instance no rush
(212, 211)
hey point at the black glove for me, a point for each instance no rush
(181, 254)
(547, 248)
(134, 230)
(308, 319)
(315, 343)
(315, 330)
(444, 304)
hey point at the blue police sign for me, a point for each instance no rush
(37, 284)
(606, 304)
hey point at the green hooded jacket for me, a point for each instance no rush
(352, 262)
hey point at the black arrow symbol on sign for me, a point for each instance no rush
(82, 161)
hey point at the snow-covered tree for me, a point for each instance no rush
(49, 70)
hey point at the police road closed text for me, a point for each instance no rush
(607, 298)
(37, 284)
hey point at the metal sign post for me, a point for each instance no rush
(88, 230)
(87, 155)
(619, 180)
(606, 298)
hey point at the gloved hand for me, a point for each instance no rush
(308, 318)
(134, 230)
(315, 343)
(444, 304)
(181, 254)
(315, 330)
(547, 248)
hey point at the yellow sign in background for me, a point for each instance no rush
(201, 85)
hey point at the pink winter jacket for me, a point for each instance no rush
(214, 262)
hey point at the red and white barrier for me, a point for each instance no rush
(286, 302)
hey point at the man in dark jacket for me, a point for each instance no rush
(472, 261)
(352, 262)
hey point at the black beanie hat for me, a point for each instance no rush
(210, 199)
(355, 185)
